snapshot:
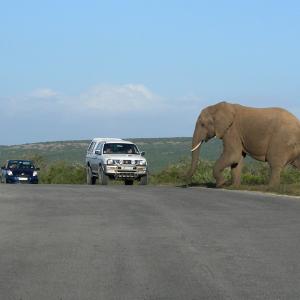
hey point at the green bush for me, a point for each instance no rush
(176, 174)
(62, 172)
(254, 173)
(173, 174)
(290, 175)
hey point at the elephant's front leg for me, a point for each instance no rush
(236, 172)
(226, 160)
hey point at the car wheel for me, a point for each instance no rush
(144, 180)
(90, 179)
(102, 177)
(128, 182)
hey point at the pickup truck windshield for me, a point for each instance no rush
(115, 148)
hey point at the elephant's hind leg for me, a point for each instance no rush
(276, 168)
(275, 176)
(278, 157)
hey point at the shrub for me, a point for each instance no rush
(173, 174)
(290, 175)
(176, 174)
(62, 172)
(255, 173)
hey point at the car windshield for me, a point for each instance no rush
(20, 164)
(115, 148)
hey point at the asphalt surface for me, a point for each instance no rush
(134, 242)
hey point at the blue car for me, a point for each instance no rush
(19, 171)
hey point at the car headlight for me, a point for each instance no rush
(9, 173)
(141, 162)
(34, 173)
(110, 162)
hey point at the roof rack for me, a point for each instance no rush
(108, 140)
(100, 139)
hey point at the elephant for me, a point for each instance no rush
(266, 134)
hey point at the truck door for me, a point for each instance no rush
(94, 158)
(98, 155)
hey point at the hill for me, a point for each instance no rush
(160, 152)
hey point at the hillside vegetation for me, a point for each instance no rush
(160, 152)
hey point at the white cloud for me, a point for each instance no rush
(121, 98)
(128, 110)
(111, 99)
(43, 93)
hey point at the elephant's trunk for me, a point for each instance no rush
(196, 146)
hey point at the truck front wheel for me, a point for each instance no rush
(102, 177)
(90, 179)
(144, 180)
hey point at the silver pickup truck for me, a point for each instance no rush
(111, 159)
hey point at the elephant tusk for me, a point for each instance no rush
(197, 146)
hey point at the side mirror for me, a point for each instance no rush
(37, 169)
(98, 152)
(143, 153)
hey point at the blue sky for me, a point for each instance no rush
(79, 69)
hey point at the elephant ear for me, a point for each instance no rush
(223, 116)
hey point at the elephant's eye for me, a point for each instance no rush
(202, 125)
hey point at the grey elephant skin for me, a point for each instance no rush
(266, 134)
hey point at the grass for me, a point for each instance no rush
(255, 177)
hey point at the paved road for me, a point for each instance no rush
(132, 242)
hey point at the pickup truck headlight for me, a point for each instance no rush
(110, 162)
(140, 162)
(9, 173)
(34, 173)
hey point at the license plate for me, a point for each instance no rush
(127, 168)
(23, 179)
